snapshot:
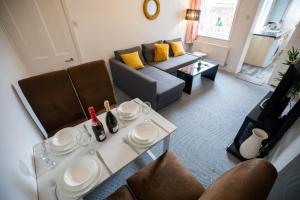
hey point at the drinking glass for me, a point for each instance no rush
(121, 123)
(146, 107)
(84, 138)
(43, 152)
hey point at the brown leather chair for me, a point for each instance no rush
(167, 179)
(93, 85)
(53, 99)
(123, 193)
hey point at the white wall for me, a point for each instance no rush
(103, 26)
(241, 27)
(287, 148)
(18, 133)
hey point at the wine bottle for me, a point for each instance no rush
(111, 120)
(97, 125)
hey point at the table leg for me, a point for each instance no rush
(166, 143)
(188, 81)
(152, 156)
(210, 73)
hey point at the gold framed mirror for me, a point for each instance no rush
(151, 9)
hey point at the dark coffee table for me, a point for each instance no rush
(207, 69)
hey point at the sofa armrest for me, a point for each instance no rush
(249, 180)
(134, 83)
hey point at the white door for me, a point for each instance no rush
(40, 32)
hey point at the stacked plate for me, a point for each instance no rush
(143, 135)
(128, 110)
(64, 141)
(80, 176)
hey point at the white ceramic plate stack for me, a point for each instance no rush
(143, 135)
(64, 141)
(80, 176)
(128, 110)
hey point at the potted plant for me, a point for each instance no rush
(294, 91)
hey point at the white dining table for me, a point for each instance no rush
(115, 153)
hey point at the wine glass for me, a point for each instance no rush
(42, 151)
(84, 138)
(121, 122)
(146, 109)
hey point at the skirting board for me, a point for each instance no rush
(215, 52)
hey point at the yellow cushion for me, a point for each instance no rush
(177, 48)
(133, 60)
(161, 52)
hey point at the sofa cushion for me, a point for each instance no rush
(161, 52)
(148, 50)
(167, 179)
(118, 53)
(122, 193)
(165, 82)
(133, 60)
(169, 43)
(175, 63)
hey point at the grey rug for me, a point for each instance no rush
(207, 122)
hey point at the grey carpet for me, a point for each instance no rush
(207, 122)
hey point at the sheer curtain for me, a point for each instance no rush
(192, 26)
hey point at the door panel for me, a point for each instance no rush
(40, 32)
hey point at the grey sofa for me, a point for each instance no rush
(154, 82)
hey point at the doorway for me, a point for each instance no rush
(268, 41)
(40, 32)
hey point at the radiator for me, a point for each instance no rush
(214, 52)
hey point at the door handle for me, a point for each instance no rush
(69, 60)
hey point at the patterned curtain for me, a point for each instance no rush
(192, 26)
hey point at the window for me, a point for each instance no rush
(216, 18)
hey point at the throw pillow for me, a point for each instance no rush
(118, 53)
(177, 48)
(148, 51)
(161, 52)
(133, 60)
(169, 42)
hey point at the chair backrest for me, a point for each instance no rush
(249, 180)
(93, 85)
(53, 99)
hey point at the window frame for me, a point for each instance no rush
(231, 28)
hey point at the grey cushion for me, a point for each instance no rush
(118, 53)
(169, 88)
(175, 63)
(169, 43)
(148, 51)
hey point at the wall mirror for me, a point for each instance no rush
(151, 9)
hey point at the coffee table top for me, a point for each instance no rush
(194, 68)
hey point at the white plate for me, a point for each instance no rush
(72, 194)
(145, 132)
(64, 139)
(80, 173)
(129, 118)
(59, 153)
(139, 145)
(128, 109)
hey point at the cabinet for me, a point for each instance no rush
(262, 50)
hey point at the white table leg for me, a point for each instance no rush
(166, 143)
(152, 156)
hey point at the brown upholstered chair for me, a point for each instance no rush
(93, 85)
(167, 179)
(53, 100)
(123, 193)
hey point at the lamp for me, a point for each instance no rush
(192, 14)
